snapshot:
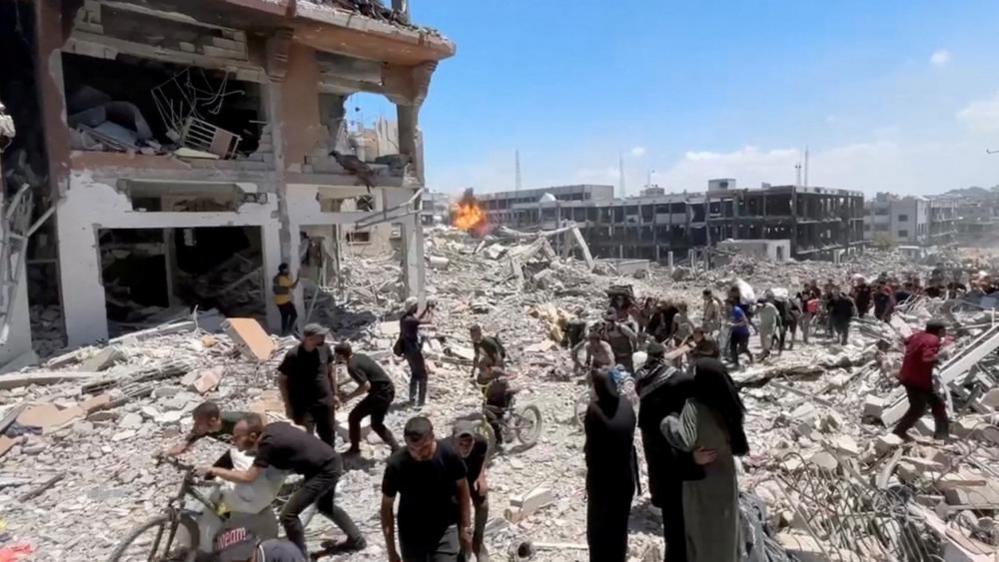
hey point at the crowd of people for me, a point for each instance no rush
(681, 400)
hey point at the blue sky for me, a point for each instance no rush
(887, 95)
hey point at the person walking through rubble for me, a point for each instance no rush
(489, 352)
(769, 324)
(307, 385)
(738, 338)
(373, 381)
(710, 427)
(611, 469)
(434, 514)
(862, 296)
(474, 450)
(841, 312)
(285, 447)
(622, 340)
(663, 390)
(922, 352)
(884, 302)
(711, 320)
(412, 348)
(282, 287)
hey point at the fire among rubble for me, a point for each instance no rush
(468, 215)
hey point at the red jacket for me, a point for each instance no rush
(921, 351)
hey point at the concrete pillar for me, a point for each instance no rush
(412, 258)
(270, 244)
(170, 263)
(83, 298)
(410, 142)
(669, 259)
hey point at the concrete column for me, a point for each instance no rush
(669, 259)
(83, 299)
(270, 245)
(170, 263)
(402, 7)
(410, 143)
(412, 258)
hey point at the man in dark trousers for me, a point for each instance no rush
(373, 380)
(305, 378)
(663, 390)
(922, 351)
(434, 514)
(286, 447)
(489, 352)
(283, 286)
(474, 450)
(841, 313)
(412, 348)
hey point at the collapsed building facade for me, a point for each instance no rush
(185, 148)
(817, 223)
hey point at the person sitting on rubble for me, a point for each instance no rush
(922, 352)
(489, 351)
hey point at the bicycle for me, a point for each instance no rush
(523, 423)
(175, 535)
(177, 522)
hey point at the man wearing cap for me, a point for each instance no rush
(429, 478)
(373, 380)
(922, 351)
(285, 447)
(305, 378)
(474, 450)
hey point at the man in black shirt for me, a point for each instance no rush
(373, 380)
(474, 450)
(412, 349)
(305, 378)
(286, 447)
(841, 312)
(489, 352)
(209, 421)
(429, 477)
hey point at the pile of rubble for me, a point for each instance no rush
(80, 432)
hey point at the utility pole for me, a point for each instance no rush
(620, 168)
(517, 179)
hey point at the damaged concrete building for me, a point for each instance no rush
(188, 147)
(816, 223)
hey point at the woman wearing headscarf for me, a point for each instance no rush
(663, 389)
(711, 427)
(611, 469)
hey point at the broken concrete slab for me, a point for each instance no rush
(250, 338)
(884, 444)
(48, 417)
(17, 380)
(206, 380)
(525, 505)
(103, 359)
(873, 406)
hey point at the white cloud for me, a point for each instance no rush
(981, 115)
(638, 151)
(940, 57)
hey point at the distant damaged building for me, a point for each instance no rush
(188, 147)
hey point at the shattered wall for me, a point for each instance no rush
(91, 205)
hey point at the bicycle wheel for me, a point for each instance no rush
(527, 424)
(160, 539)
(486, 431)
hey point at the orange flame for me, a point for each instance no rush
(467, 215)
